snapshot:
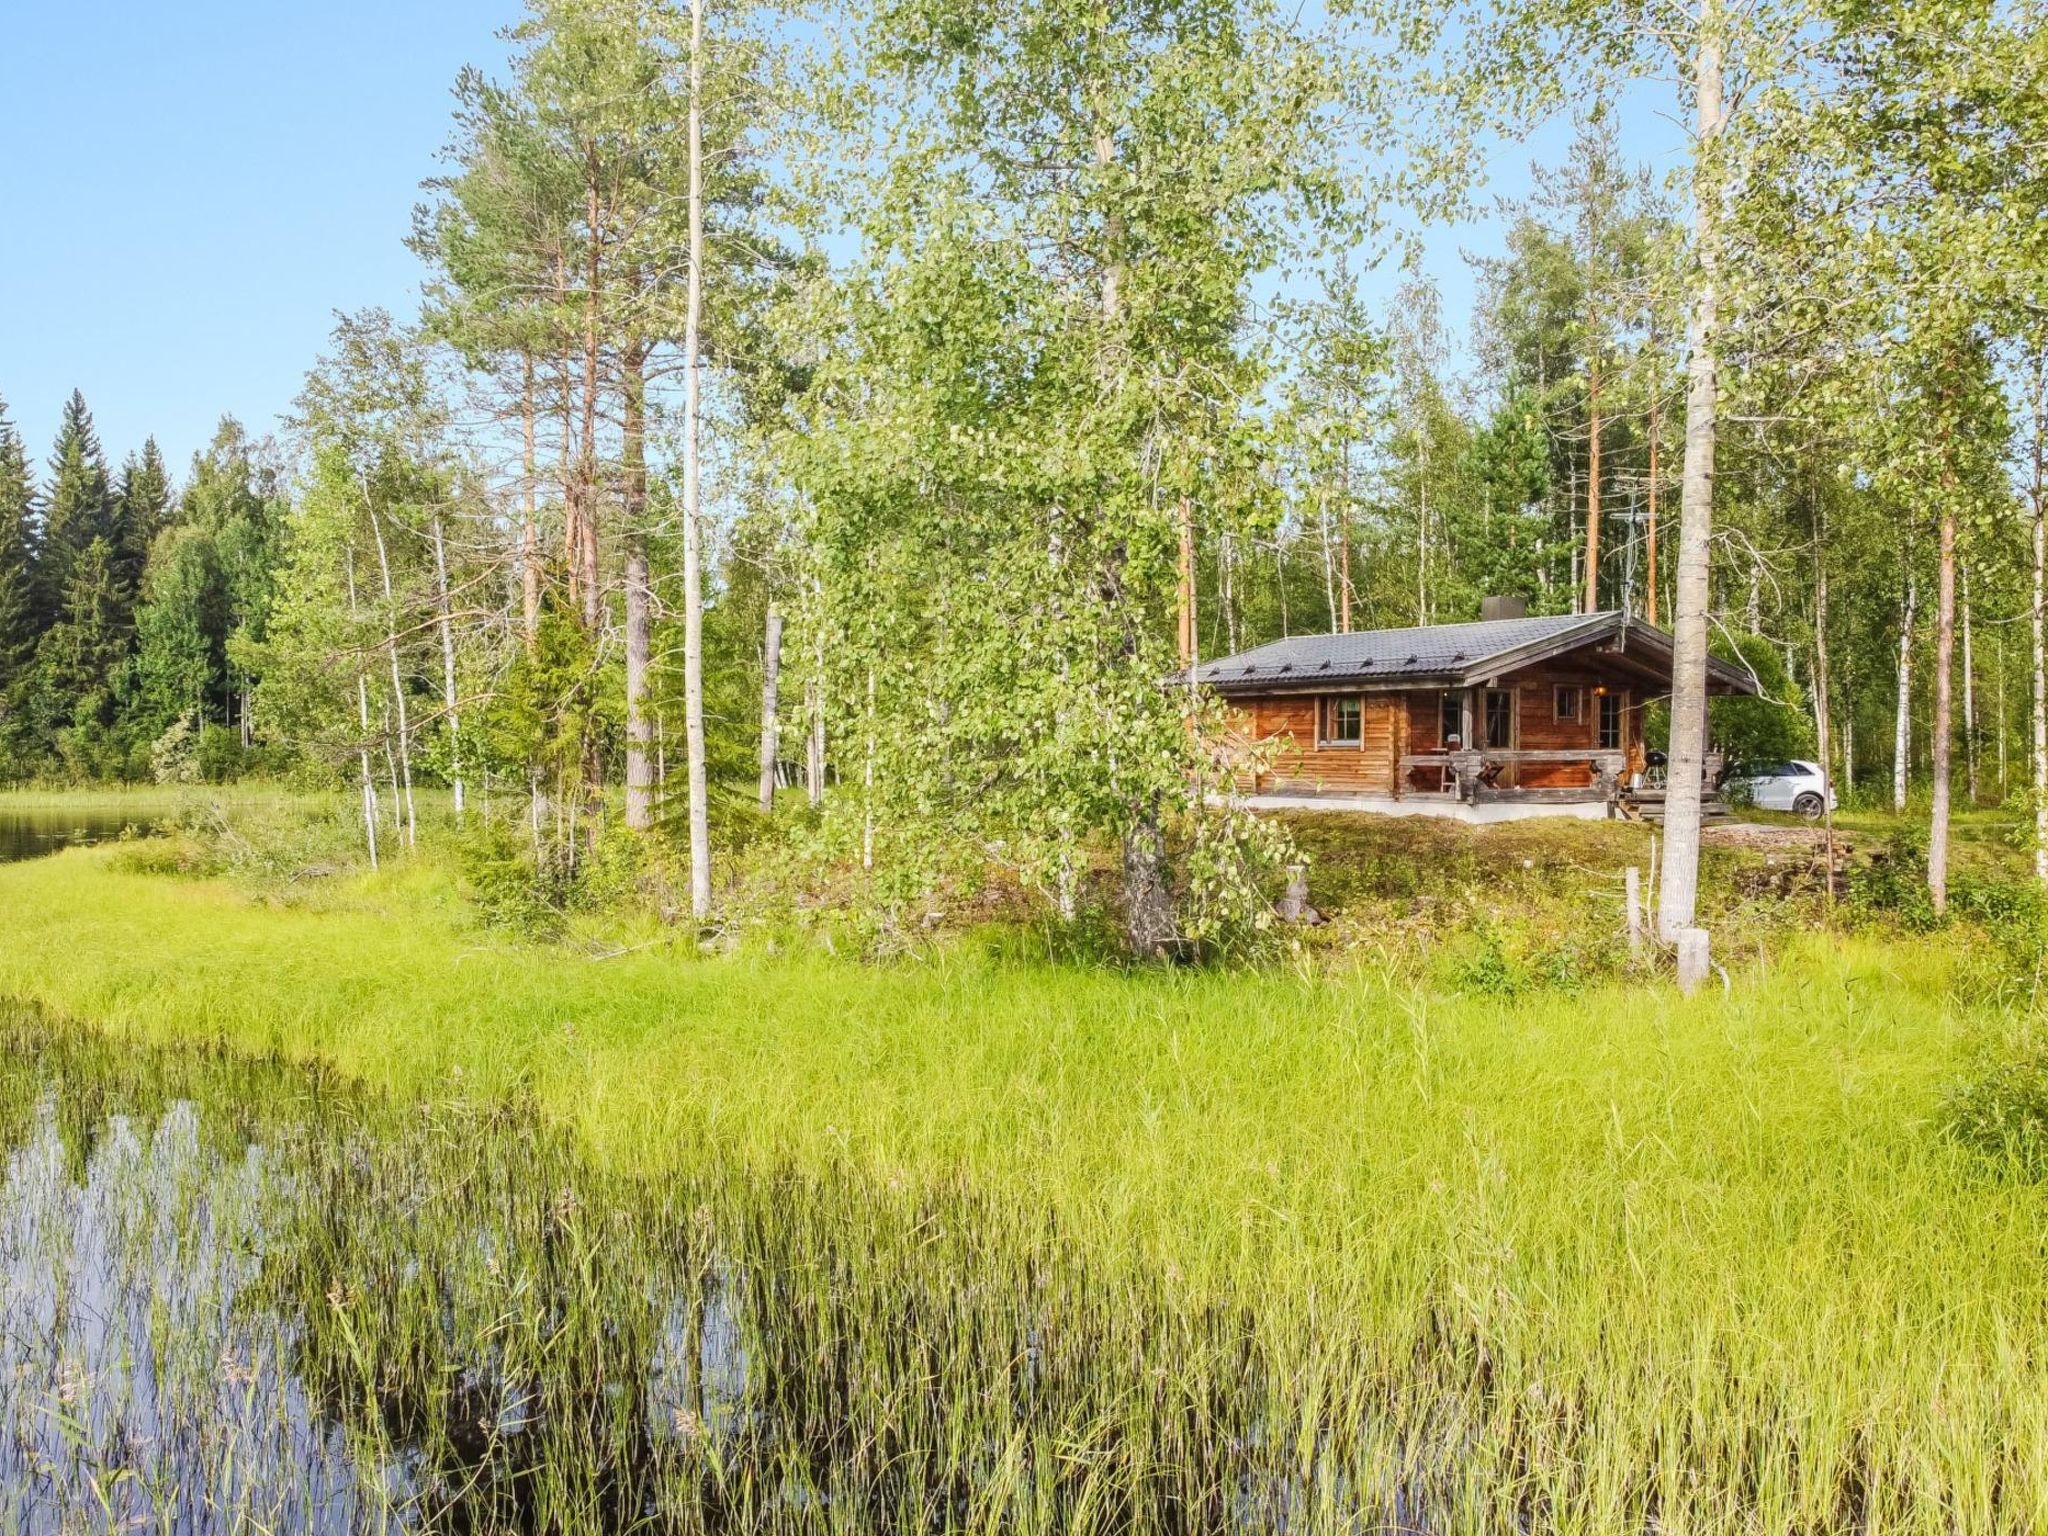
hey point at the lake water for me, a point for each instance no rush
(26, 834)
(240, 1296)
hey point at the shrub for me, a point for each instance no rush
(1894, 882)
(510, 887)
(218, 758)
(2002, 1114)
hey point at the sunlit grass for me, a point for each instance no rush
(1626, 1253)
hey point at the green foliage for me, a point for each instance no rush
(1775, 725)
(1893, 883)
(2002, 1114)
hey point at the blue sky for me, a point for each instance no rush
(189, 191)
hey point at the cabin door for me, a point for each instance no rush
(1499, 726)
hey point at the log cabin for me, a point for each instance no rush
(1508, 717)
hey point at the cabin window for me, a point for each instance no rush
(1500, 719)
(1343, 721)
(1450, 719)
(1567, 701)
(1611, 708)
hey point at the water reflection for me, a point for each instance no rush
(238, 1298)
(27, 834)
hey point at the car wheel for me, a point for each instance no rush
(1808, 805)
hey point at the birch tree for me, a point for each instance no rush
(1044, 361)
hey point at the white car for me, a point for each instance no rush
(1784, 786)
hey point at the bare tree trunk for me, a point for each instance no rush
(1230, 591)
(1329, 557)
(1148, 904)
(1902, 738)
(639, 594)
(412, 822)
(529, 530)
(693, 493)
(1593, 484)
(1822, 712)
(1656, 427)
(363, 720)
(397, 799)
(1148, 907)
(1343, 548)
(1421, 528)
(867, 783)
(1187, 583)
(771, 686)
(1678, 897)
(1280, 580)
(586, 473)
(2004, 724)
(1969, 697)
(450, 699)
(2039, 492)
(814, 734)
(1944, 710)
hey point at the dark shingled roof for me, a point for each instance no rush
(1460, 654)
(1438, 650)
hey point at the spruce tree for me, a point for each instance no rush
(81, 658)
(142, 510)
(79, 508)
(17, 555)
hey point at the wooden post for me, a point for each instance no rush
(1633, 879)
(1693, 959)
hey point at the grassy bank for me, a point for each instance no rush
(1706, 1256)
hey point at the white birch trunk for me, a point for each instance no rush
(1944, 714)
(450, 699)
(867, 774)
(693, 532)
(1678, 896)
(363, 721)
(1902, 730)
(2040, 635)
(412, 822)
(639, 587)
(1969, 698)
(771, 689)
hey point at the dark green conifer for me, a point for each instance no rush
(143, 510)
(17, 560)
(78, 508)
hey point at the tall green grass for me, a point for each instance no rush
(1604, 1262)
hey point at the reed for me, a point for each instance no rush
(1005, 1245)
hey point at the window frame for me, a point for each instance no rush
(1618, 701)
(1450, 718)
(1486, 724)
(1326, 720)
(1577, 694)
